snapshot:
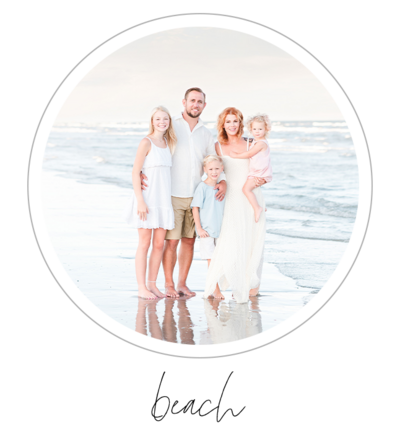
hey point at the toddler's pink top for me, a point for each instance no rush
(260, 163)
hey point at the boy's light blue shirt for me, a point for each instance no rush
(211, 210)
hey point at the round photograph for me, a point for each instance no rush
(200, 185)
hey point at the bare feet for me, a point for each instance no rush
(257, 213)
(153, 289)
(218, 295)
(184, 290)
(146, 294)
(253, 292)
(171, 292)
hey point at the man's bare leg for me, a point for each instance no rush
(185, 259)
(168, 262)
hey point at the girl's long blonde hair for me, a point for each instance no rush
(222, 135)
(170, 133)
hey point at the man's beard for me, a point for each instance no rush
(193, 116)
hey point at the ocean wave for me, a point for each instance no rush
(73, 129)
(311, 129)
(319, 206)
(81, 130)
(308, 148)
(330, 123)
(321, 236)
(99, 159)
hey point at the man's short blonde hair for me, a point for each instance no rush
(210, 158)
(196, 89)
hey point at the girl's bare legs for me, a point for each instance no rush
(248, 188)
(141, 263)
(217, 292)
(155, 261)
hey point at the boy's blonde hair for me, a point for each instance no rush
(210, 158)
(170, 133)
(260, 118)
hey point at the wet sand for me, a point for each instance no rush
(97, 249)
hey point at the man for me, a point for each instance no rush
(195, 142)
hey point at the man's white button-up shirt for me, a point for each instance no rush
(187, 161)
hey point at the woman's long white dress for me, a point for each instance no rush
(238, 257)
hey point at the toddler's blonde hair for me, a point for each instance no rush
(260, 118)
(210, 158)
(170, 133)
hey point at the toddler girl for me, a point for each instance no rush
(151, 210)
(259, 154)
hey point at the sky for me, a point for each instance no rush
(233, 68)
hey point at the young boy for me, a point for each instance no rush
(208, 211)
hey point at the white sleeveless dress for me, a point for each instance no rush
(237, 260)
(157, 196)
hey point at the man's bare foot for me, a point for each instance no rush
(146, 294)
(153, 289)
(257, 213)
(170, 291)
(184, 290)
(253, 292)
(218, 295)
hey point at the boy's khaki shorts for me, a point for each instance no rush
(184, 222)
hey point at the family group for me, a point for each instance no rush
(171, 203)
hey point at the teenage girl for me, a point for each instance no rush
(259, 155)
(151, 209)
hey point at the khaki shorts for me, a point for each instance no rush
(184, 222)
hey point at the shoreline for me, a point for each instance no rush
(96, 247)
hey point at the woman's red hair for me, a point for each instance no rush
(222, 135)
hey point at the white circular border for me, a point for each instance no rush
(156, 26)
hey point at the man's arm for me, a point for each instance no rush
(221, 186)
(211, 151)
(143, 177)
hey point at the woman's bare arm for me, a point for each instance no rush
(217, 149)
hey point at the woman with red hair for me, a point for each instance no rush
(238, 257)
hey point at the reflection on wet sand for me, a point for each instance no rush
(226, 320)
(230, 321)
(141, 323)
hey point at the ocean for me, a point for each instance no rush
(313, 195)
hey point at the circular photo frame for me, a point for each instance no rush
(55, 246)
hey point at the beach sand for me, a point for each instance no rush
(97, 249)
